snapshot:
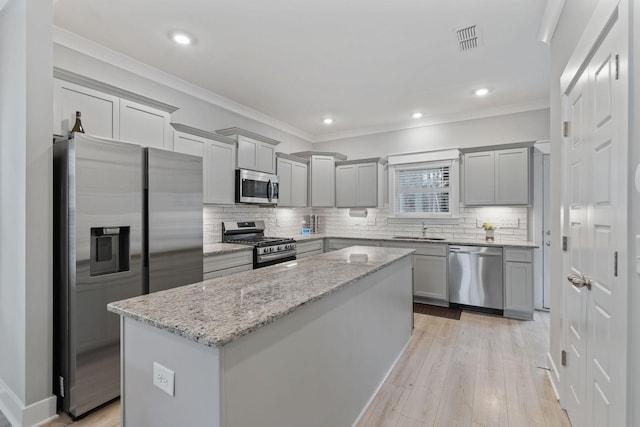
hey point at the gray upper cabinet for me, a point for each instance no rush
(255, 152)
(293, 174)
(218, 159)
(109, 116)
(323, 178)
(479, 178)
(512, 177)
(360, 183)
(498, 177)
(144, 125)
(100, 111)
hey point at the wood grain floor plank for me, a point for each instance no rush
(385, 408)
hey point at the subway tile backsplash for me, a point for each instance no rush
(512, 222)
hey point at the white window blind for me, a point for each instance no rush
(425, 190)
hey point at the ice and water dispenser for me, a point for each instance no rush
(110, 247)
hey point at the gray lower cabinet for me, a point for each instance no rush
(311, 248)
(430, 278)
(429, 271)
(226, 263)
(518, 282)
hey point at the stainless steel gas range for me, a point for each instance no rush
(266, 250)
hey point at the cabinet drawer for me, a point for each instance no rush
(225, 261)
(518, 255)
(303, 247)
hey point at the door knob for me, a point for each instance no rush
(548, 243)
(579, 281)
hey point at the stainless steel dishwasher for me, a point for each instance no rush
(475, 278)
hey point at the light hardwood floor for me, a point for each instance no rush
(479, 371)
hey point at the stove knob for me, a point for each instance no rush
(279, 248)
(290, 246)
(270, 249)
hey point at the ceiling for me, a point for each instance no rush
(369, 64)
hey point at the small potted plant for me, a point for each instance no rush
(489, 229)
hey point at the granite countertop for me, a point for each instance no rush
(386, 237)
(218, 311)
(221, 248)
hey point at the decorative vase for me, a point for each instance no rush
(489, 236)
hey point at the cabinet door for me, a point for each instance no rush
(285, 174)
(266, 157)
(144, 125)
(100, 111)
(346, 186)
(512, 177)
(479, 181)
(430, 277)
(299, 185)
(323, 178)
(219, 163)
(518, 279)
(367, 185)
(188, 144)
(247, 153)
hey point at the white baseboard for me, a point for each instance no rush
(554, 375)
(33, 415)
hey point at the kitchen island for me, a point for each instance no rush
(300, 343)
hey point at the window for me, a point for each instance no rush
(424, 190)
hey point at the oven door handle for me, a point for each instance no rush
(271, 257)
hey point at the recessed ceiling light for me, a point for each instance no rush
(182, 38)
(416, 115)
(327, 121)
(481, 92)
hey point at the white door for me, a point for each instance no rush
(595, 206)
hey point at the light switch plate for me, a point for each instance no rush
(163, 378)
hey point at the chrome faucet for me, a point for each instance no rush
(424, 230)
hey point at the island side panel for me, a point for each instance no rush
(320, 365)
(196, 379)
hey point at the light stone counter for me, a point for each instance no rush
(219, 311)
(223, 248)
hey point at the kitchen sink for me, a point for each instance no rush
(424, 239)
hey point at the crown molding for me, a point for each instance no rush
(87, 47)
(552, 12)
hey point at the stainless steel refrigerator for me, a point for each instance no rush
(127, 220)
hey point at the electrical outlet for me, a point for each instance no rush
(163, 378)
(509, 223)
(479, 222)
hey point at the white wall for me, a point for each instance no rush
(25, 211)
(505, 129)
(573, 20)
(192, 111)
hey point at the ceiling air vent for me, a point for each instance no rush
(468, 38)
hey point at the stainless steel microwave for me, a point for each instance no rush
(256, 187)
